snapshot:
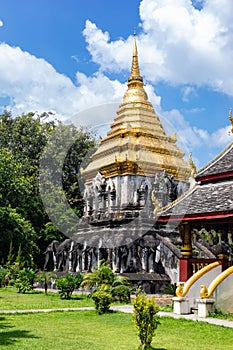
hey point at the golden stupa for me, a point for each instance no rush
(137, 143)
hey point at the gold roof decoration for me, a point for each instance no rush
(137, 143)
(192, 166)
(156, 203)
(231, 119)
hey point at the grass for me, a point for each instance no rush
(166, 308)
(221, 315)
(85, 330)
(11, 300)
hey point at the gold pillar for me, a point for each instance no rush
(186, 250)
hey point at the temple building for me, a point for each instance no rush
(136, 169)
(204, 215)
(140, 214)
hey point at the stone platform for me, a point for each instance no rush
(150, 283)
(160, 299)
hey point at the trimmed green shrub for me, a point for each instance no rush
(104, 279)
(121, 293)
(102, 300)
(145, 318)
(170, 289)
(66, 285)
(25, 280)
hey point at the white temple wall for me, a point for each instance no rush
(224, 295)
(194, 292)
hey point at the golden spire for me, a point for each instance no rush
(135, 92)
(135, 71)
(137, 144)
(231, 119)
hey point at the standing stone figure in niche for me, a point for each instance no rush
(171, 186)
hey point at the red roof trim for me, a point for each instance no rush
(214, 176)
(194, 217)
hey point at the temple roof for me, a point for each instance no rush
(137, 143)
(211, 197)
(220, 166)
(207, 200)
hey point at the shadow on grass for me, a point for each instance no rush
(11, 336)
(77, 297)
(36, 292)
(152, 348)
(4, 325)
(73, 297)
(57, 295)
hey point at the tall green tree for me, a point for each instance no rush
(23, 141)
(16, 229)
(60, 176)
(15, 186)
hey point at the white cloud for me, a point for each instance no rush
(113, 56)
(203, 144)
(32, 84)
(183, 45)
(187, 92)
(195, 138)
(178, 44)
(189, 137)
(1, 23)
(221, 137)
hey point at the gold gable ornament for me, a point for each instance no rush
(231, 119)
(192, 166)
(156, 204)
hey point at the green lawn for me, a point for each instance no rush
(85, 330)
(11, 300)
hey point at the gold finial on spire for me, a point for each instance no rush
(231, 119)
(135, 71)
(135, 50)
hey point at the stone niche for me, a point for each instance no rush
(106, 198)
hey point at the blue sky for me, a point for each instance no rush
(69, 56)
